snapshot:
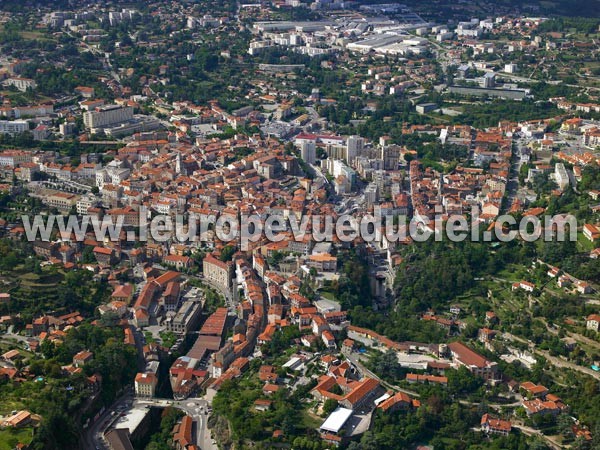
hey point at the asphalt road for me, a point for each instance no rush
(196, 408)
(93, 436)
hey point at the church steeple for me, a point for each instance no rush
(179, 167)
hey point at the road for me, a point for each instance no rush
(512, 187)
(555, 361)
(196, 408)
(93, 436)
(16, 337)
(354, 359)
(230, 299)
(533, 432)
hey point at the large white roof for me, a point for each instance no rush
(336, 420)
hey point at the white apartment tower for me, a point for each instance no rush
(354, 147)
(108, 115)
(308, 151)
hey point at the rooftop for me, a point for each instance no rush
(336, 420)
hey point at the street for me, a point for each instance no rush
(197, 408)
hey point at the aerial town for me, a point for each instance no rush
(120, 119)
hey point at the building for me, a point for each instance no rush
(106, 116)
(335, 421)
(308, 151)
(186, 318)
(514, 94)
(424, 108)
(145, 384)
(13, 126)
(347, 345)
(86, 202)
(128, 215)
(118, 439)
(170, 298)
(366, 390)
(22, 84)
(561, 176)
(103, 255)
(492, 425)
(592, 232)
(262, 405)
(217, 271)
(322, 262)
(525, 285)
(17, 420)
(60, 200)
(398, 401)
(474, 362)
(182, 434)
(123, 293)
(14, 158)
(488, 80)
(354, 148)
(328, 339)
(82, 358)
(84, 91)
(413, 378)
(179, 262)
(551, 405)
(593, 322)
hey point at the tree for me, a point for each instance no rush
(227, 253)
(386, 365)
(565, 425)
(461, 381)
(329, 406)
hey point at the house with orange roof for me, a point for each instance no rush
(328, 339)
(104, 256)
(179, 262)
(365, 391)
(17, 420)
(474, 362)
(422, 379)
(145, 384)
(82, 358)
(592, 232)
(123, 293)
(541, 407)
(267, 374)
(322, 262)
(262, 405)
(270, 389)
(533, 390)
(493, 425)
(183, 438)
(525, 285)
(398, 401)
(593, 322)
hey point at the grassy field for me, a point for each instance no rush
(10, 437)
(584, 244)
(8, 405)
(328, 295)
(311, 421)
